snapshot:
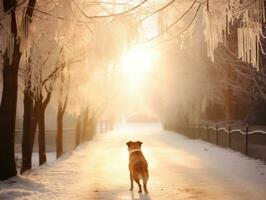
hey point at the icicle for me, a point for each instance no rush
(218, 20)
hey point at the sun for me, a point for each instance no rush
(137, 63)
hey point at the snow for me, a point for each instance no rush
(180, 168)
(51, 157)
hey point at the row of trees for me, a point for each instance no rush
(38, 62)
(42, 73)
(227, 90)
(11, 60)
(52, 57)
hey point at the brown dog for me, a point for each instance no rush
(138, 166)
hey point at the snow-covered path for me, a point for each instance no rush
(180, 169)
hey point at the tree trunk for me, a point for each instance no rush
(26, 137)
(8, 108)
(91, 127)
(41, 130)
(29, 124)
(29, 132)
(78, 132)
(40, 110)
(7, 123)
(33, 127)
(9, 95)
(84, 129)
(41, 138)
(59, 136)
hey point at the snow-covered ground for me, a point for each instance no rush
(180, 169)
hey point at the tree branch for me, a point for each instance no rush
(65, 104)
(159, 10)
(53, 73)
(95, 16)
(30, 9)
(175, 22)
(114, 14)
(180, 33)
(47, 99)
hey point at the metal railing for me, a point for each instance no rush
(244, 139)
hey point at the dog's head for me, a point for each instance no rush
(134, 145)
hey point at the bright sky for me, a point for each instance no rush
(137, 64)
(140, 59)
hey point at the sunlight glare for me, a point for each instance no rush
(137, 63)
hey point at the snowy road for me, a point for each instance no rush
(180, 169)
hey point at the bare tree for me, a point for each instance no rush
(10, 87)
(34, 101)
(29, 121)
(63, 98)
(41, 105)
(78, 131)
(59, 136)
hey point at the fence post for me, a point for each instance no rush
(216, 129)
(229, 136)
(246, 140)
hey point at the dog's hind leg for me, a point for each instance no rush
(131, 182)
(145, 180)
(138, 182)
(145, 188)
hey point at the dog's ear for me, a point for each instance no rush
(139, 143)
(128, 143)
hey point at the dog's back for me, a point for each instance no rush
(138, 166)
